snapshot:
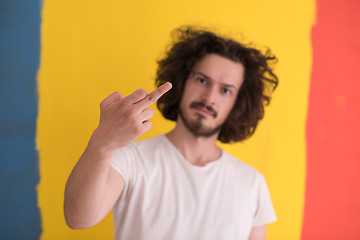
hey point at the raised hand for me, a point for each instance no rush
(123, 119)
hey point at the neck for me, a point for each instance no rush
(196, 150)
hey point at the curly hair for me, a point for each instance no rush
(190, 45)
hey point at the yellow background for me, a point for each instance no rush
(90, 49)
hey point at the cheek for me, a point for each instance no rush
(188, 90)
(228, 106)
(192, 95)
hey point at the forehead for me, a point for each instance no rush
(220, 69)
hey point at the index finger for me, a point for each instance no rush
(152, 97)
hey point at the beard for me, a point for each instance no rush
(196, 126)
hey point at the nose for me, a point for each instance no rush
(209, 96)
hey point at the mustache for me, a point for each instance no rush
(203, 105)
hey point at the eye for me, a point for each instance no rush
(225, 91)
(202, 81)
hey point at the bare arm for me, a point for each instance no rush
(93, 186)
(258, 233)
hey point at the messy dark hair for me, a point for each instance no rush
(189, 46)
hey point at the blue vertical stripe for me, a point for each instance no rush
(19, 62)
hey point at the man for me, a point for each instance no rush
(180, 185)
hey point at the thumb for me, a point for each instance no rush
(111, 99)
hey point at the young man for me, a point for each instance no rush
(180, 185)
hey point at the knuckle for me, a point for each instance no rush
(125, 101)
(151, 112)
(151, 98)
(126, 115)
(103, 104)
(137, 130)
(130, 112)
(110, 99)
(134, 122)
(141, 93)
(147, 126)
(115, 94)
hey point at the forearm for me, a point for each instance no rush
(258, 233)
(85, 188)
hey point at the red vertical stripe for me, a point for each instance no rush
(332, 205)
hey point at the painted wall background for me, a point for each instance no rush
(92, 48)
(19, 63)
(333, 130)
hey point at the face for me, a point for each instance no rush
(210, 93)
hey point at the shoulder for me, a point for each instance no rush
(130, 160)
(238, 164)
(144, 152)
(242, 170)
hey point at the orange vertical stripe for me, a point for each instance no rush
(332, 190)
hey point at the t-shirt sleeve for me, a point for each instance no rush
(265, 212)
(126, 162)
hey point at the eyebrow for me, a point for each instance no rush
(208, 78)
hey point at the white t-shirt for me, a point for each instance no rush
(166, 197)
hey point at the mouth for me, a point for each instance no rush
(203, 109)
